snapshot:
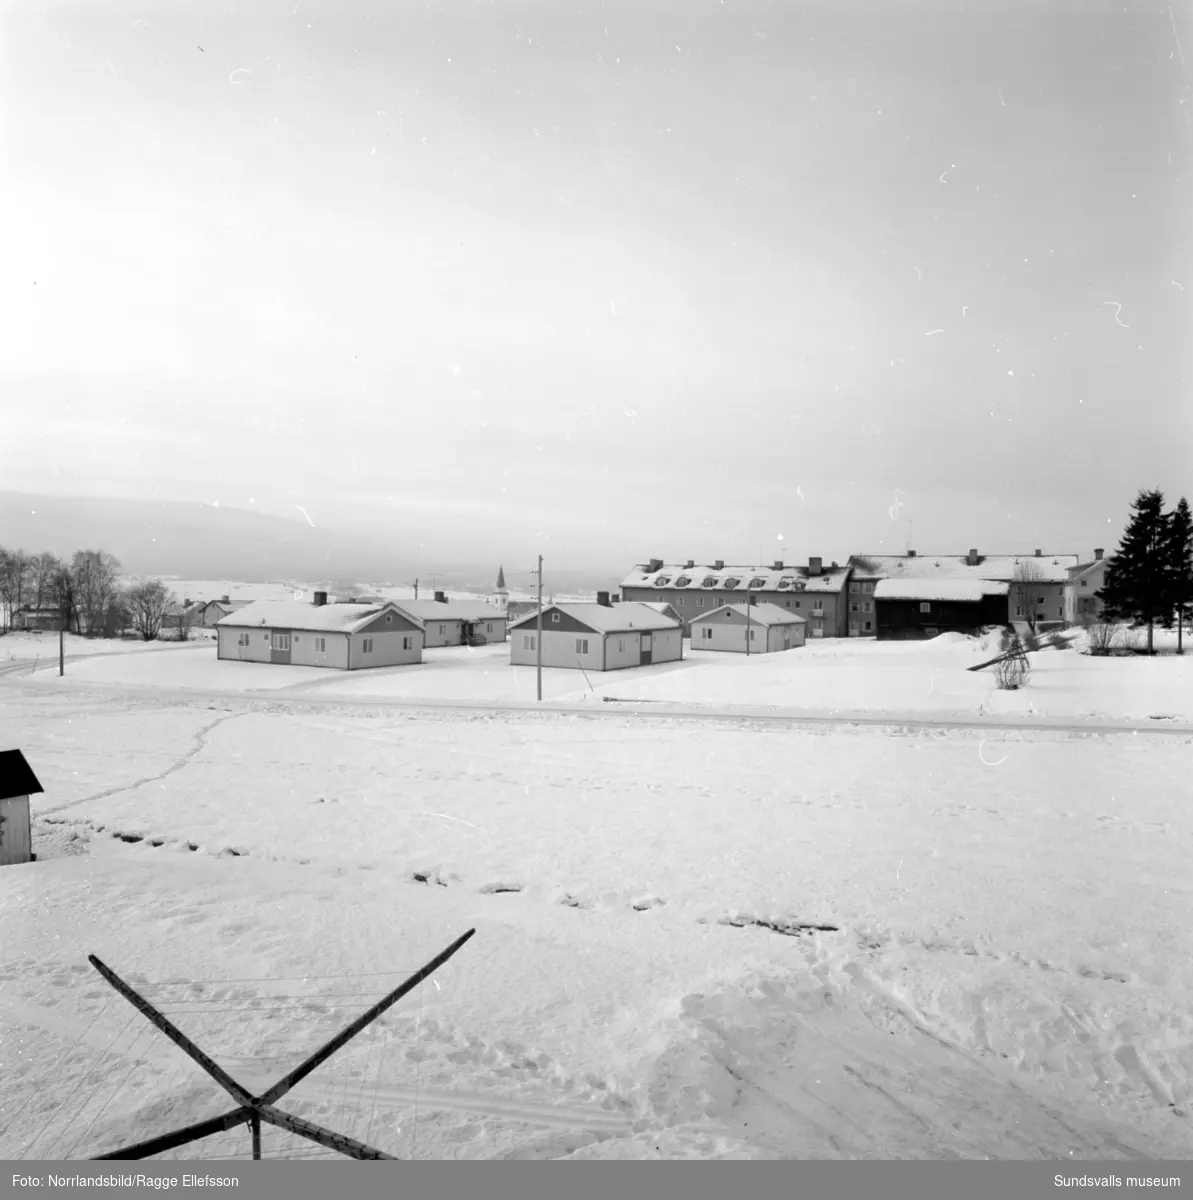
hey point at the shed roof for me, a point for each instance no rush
(298, 614)
(786, 579)
(1052, 568)
(938, 589)
(761, 614)
(16, 776)
(615, 618)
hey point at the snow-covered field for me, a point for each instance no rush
(925, 678)
(1003, 969)
(42, 647)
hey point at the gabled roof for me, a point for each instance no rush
(1083, 569)
(298, 614)
(16, 776)
(1052, 568)
(615, 618)
(662, 606)
(226, 605)
(759, 614)
(786, 579)
(938, 589)
(452, 610)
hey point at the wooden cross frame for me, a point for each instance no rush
(252, 1110)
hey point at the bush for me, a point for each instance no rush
(1011, 674)
(1100, 636)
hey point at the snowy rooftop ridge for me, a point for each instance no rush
(605, 618)
(298, 614)
(1051, 568)
(769, 578)
(450, 610)
(938, 589)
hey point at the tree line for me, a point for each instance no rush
(1149, 579)
(86, 595)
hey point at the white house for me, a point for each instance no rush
(764, 628)
(1084, 582)
(597, 637)
(17, 784)
(457, 622)
(347, 637)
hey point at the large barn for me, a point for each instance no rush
(347, 637)
(597, 637)
(758, 628)
(816, 592)
(907, 609)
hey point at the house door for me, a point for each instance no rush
(279, 647)
(644, 656)
(786, 639)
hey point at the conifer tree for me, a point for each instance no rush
(1179, 560)
(1137, 582)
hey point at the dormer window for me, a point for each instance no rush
(662, 580)
(731, 583)
(683, 581)
(757, 582)
(709, 581)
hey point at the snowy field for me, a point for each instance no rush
(841, 676)
(42, 647)
(714, 939)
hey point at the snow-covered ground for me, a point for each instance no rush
(843, 676)
(1003, 969)
(42, 647)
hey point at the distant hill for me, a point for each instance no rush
(190, 540)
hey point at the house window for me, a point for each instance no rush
(554, 616)
(752, 633)
(925, 606)
(867, 606)
(528, 643)
(488, 627)
(281, 641)
(854, 606)
(367, 646)
(1018, 610)
(581, 645)
(798, 604)
(855, 587)
(930, 632)
(442, 629)
(388, 618)
(787, 604)
(679, 601)
(244, 640)
(620, 645)
(406, 643)
(818, 605)
(320, 645)
(867, 626)
(867, 587)
(1085, 583)
(705, 632)
(699, 601)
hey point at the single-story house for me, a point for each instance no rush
(17, 784)
(36, 618)
(816, 592)
(1084, 582)
(457, 622)
(925, 608)
(597, 637)
(760, 628)
(215, 611)
(347, 637)
(668, 610)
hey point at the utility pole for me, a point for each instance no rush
(61, 646)
(748, 599)
(538, 641)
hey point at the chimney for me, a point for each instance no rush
(440, 598)
(1037, 554)
(603, 599)
(778, 565)
(320, 599)
(719, 565)
(223, 599)
(1098, 555)
(655, 564)
(689, 564)
(972, 559)
(911, 554)
(814, 565)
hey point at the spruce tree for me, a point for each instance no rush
(1179, 560)
(1137, 585)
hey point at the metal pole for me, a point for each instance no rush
(538, 641)
(61, 647)
(747, 625)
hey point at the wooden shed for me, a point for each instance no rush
(17, 784)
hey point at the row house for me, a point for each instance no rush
(815, 592)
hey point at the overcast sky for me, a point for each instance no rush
(609, 280)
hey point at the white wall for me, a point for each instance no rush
(387, 649)
(227, 644)
(304, 649)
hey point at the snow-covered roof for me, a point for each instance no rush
(1051, 568)
(749, 579)
(1082, 570)
(298, 614)
(451, 610)
(614, 618)
(663, 607)
(762, 614)
(938, 589)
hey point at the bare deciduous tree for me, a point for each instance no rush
(149, 603)
(1025, 592)
(14, 577)
(1100, 635)
(43, 567)
(93, 574)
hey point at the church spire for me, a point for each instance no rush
(501, 579)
